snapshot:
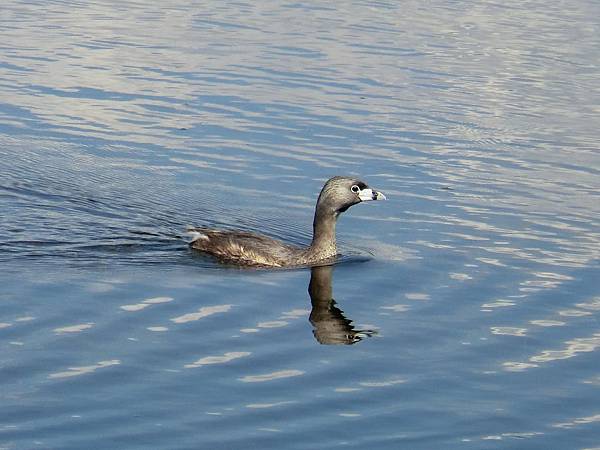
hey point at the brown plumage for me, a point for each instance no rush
(250, 249)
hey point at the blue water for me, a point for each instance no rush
(467, 306)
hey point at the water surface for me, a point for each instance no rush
(465, 313)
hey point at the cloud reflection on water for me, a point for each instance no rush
(83, 370)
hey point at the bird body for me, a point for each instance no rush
(252, 249)
(242, 247)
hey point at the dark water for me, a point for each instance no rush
(471, 296)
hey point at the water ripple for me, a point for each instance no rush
(123, 123)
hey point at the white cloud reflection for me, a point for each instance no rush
(268, 405)
(271, 376)
(509, 331)
(272, 324)
(76, 371)
(572, 348)
(74, 328)
(547, 323)
(579, 421)
(145, 303)
(574, 313)
(203, 312)
(591, 305)
(209, 360)
(515, 435)
(500, 303)
(382, 383)
(396, 308)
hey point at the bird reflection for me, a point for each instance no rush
(330, 325)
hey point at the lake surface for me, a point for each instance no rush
(467, 306)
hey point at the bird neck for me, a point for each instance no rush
(323, 242)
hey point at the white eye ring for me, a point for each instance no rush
(355, 189)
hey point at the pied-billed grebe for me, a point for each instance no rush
(243, 248)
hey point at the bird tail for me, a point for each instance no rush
(195, 234)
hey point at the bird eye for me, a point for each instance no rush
(355, 189)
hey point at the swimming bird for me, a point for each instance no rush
(251, 249)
